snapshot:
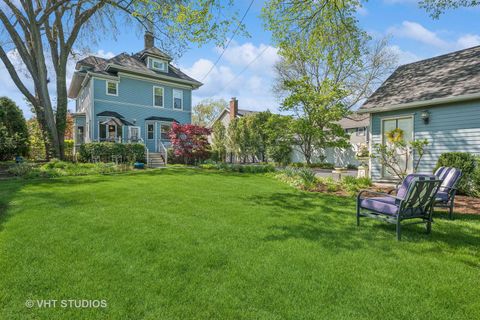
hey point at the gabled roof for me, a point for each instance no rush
(153, 52)
(127, 63)
(355, 120)
(451, 75)
(115, 115)
(244, 112)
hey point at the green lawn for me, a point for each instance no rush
(187, 244)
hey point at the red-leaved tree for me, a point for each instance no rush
(189, 142)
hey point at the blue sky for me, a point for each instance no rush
(413, 36)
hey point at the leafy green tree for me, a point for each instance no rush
(316, 111)
(328, 65)
(219, 141)
(240, 139)
(36, 141)
(279, 139)
(45, 34)
(13, 130)
(257, 123)
(205, 112)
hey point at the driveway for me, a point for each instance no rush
(327, 173)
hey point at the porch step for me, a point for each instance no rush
(156, 160)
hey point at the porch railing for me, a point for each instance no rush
(162, 149)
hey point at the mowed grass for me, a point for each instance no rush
(187, 244)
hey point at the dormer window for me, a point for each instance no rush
(158, 65)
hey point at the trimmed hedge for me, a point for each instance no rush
(130, 152)
(319, 165)
(242, 168)
(56, 168)
(68, 145)
(464, 161)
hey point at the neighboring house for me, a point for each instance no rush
(130, 98)
(436, 99)
(356, 126)
(226, 116)
(230, 113)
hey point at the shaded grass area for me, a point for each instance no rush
(190, 244)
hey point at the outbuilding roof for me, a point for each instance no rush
(450, 75)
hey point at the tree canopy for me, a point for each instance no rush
(13, 130)
(438, 7)
(40, 36)
(207, 110)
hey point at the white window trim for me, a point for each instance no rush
(151, 62)
(163, 97)
(173, 99)
(106, 88)
(382, 134)
(162, 123)
(146, 129)
(129, 136)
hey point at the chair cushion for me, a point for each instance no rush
(442, 195)
(449, 177)
(402, 190)
(386, 205)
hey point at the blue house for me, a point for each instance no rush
(130, 98)
(437, 99)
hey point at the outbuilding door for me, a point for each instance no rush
(406, 124)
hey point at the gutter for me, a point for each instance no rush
(415, 104)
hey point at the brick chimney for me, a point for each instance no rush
(149, 40)
(233, 108)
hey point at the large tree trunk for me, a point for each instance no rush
(62, 105)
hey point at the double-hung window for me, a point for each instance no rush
(157, 96)
(165, 129)
(112, 88)
(177, 99)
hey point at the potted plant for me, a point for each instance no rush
(362, 153)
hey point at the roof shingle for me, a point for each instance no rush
(449, 75)
(135, 64)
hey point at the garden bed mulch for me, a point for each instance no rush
(463, 204)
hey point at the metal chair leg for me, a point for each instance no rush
(450, 213)
(358, 215)
(399, 230)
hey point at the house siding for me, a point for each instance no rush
(135, 103)
(452, 127)
(140, 93)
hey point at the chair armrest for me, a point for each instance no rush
(377, 193)
(450, 188)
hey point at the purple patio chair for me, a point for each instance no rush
(446, 195)
(414, 200)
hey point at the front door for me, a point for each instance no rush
(406, 125)
(151, 135)
(133, 134)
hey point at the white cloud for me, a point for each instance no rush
(416, 31)
(404, 57)
(104, 54)
(242, 55)
(468, 40)
(253, 88)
